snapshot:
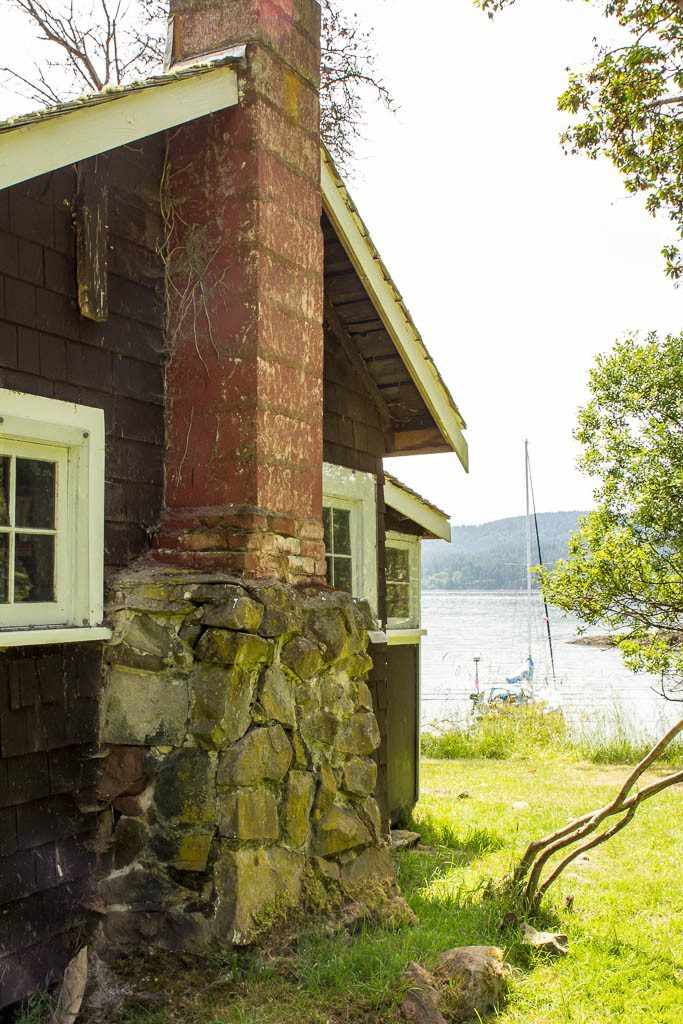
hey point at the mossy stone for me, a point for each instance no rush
(276, 693)
(282, 606)
(302, 657)
(369, 869)
(359, 735)
(144, 710)
(340, 829)
(248, 880)
(222, 704)
(360, 776)
(264, 754)
(226, 647)
(249, 814)
(185, 788)
(296, 807)
(237, 612)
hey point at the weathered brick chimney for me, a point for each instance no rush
(244, 380)
(236, 718)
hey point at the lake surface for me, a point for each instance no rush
(596, 689)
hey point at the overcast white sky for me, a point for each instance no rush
(519, 264)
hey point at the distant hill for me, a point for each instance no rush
(493, 556)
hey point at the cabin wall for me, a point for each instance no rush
(49, 695)
(353, 438)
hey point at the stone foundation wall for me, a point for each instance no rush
(239, 733)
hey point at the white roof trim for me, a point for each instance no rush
(367, 262)
(107, 120)
(419, 511)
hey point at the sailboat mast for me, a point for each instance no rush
(528, 546)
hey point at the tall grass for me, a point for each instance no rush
(528, 731)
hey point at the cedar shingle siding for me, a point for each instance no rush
(48, 696)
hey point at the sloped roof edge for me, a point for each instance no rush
(413, 506)
(361, 250)
(37, 143)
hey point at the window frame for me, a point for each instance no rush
(412, 544)
(356, 491)
(75, 434)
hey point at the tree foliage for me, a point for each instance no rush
(628, 104)
(103, 43)
(625, 566)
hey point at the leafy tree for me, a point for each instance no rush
(104, 43)
(625, 565)
(629, 104)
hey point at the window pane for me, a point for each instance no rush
(327, 527)
(398, 601)
(4, 562)
(34, 569)
(398, 565)
(35, 500)
(328, 570)
(5, 463)
(342, 531)
(342, 574)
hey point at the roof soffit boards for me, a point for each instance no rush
(417, 509)
(38, 143)
(368, 264)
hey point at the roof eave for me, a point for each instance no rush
(105, 121)
(432, 520)
(368, 264)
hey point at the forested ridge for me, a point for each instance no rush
(492, 556)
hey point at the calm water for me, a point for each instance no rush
(595, 687)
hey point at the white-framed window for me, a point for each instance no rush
(350, 524)
(51, 519)
(403, 581)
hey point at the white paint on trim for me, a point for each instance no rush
(112, 119)
(403, 637)
(78, 432)
(62, 635)
(351, 489)
(418, 511)
(354, 236)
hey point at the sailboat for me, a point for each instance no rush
(521, 687)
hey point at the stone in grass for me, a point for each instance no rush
(555, 943)
(402, 839)
(263, 755)
(420, 1002)
(472, 981)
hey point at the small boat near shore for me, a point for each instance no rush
(522, 688)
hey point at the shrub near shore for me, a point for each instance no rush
(532, 730)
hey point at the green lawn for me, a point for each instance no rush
(625, 964)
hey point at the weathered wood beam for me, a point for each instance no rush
(92, 208)
(418, 442)
(358, 363)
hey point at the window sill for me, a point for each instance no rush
(35, 636)
(399, 637)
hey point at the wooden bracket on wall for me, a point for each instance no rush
(357, 362)
(92, 208)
